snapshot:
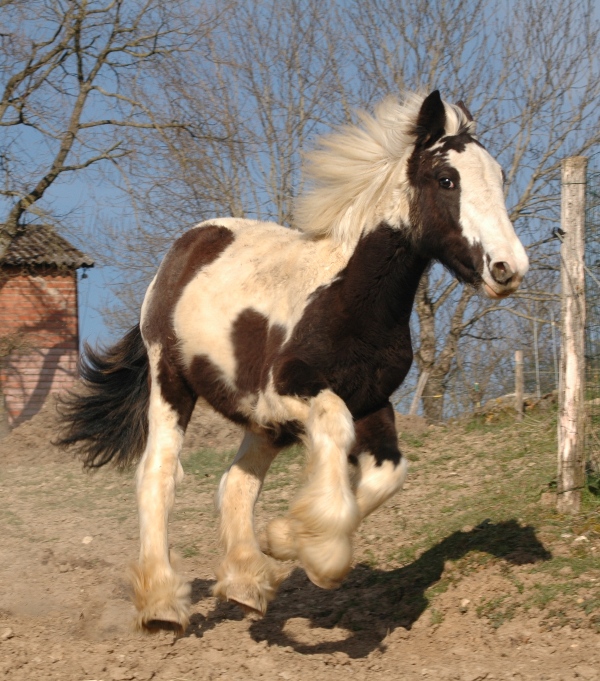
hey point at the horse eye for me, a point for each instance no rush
(446, 183)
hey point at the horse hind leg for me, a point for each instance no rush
(246, 575)
(161, 596)
(322, 519)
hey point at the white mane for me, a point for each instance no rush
(358, 175)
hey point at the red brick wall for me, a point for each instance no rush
(38, 316)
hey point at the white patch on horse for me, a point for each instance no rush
(374, 484)
(160, 594)
(324, 515)
(483, 214)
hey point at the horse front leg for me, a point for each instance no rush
(379, 469)
(161, 596)
(318, 529)
(246, 576)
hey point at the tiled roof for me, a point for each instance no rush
(41, 245)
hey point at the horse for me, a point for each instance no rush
(296, 334)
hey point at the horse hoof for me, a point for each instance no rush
(155, 625)
(248, 597)
(322, 581)
(162, 603)
(249, 579)
(163, 617)
(245, 594)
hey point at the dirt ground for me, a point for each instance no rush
(453, 579)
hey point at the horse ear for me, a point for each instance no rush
(463, 107)
(431, 120)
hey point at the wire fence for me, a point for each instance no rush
(592, 330)
(483, 373)
(467, 392)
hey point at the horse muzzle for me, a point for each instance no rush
(501, 279)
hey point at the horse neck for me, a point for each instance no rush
(382, 276)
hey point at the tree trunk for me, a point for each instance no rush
(433, 397)
(432, 355)
(7, 232)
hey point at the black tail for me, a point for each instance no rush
(108, 419)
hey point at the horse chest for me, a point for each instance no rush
(354, 335)
(364, 369)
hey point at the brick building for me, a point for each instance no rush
(39, 325)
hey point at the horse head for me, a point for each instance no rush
(456, 201)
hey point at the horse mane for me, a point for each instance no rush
(356, 175)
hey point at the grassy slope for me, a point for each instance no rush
(477, 503)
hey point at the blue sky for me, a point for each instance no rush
(96, 284)
(90, 200)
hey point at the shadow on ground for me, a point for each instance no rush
(372, 603)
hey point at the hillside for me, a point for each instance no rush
(468, 574)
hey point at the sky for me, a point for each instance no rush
(82, 196)
(94, 284)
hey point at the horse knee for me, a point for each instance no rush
(330, 422)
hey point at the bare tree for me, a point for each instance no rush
(267, 82)
(70, 73)
(275, 74)
(532, 77)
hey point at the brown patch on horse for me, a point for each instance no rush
(255, 345)
(208, 381)
(354, 335)
(376, 434)
(285, 434)
(189, 254)
(435, 211)
(456, 143)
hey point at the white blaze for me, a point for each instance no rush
(483, 214)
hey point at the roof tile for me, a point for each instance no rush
(41, 245)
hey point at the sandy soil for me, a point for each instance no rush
(454, 607)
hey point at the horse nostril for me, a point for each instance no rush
(502, 273)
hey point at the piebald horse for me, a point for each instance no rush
(296, 334)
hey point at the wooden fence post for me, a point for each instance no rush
(571, 395)
(519, 383)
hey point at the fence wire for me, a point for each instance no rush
(592, 326)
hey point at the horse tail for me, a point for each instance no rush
(107, 421)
